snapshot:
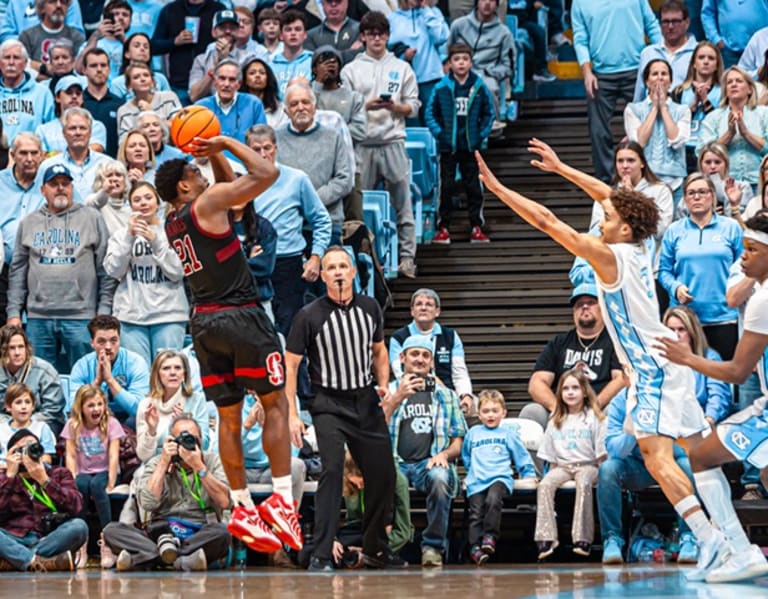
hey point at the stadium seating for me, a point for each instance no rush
(380, 219)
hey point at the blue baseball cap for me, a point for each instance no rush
(68, 81)
(225, 16)
(420, 341)
(583, 289)
(54, 171)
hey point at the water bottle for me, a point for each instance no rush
(660, 556)
(240, 553)
(645, 556)
(673, 542)
(651, 531)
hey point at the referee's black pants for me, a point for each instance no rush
(357, 420)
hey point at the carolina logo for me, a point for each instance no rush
(740, 440)
(421, 426)
(646, 416)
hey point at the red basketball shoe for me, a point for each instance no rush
(248, 526)
(283, 520)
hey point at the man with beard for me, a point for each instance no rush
(586, 346)
(37, 39)
(317, 150)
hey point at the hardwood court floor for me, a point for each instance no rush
(498, 582)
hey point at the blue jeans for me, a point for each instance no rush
(148, 340)
(94, 486)
(439, 485)
(628, 473)
(19, 551)
(748, 393)
(50, 335)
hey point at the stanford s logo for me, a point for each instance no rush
(275, 368)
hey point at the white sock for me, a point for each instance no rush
(282, 486)
(715, 492)
(242, 497)
(697, 522)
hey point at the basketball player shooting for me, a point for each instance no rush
(661, 406)
(234, 340)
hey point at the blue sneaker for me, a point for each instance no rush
(612, 551)
(689, 549)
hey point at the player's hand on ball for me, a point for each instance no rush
(205, 147)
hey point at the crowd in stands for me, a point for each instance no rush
(95, 308)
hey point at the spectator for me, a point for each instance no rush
(236, 112)
(336, 30)
(730, 23)
(201, 78)
(170, 394)
(450, 366)
(110, 33)
(245, 45)
(427, 428)
(61, 53)
(527, 19)
(317, 150)
(110, 194)
(92, 437)
(753, 56)
(573, 445)
(488, 452)
(731, 196)
(122, 374)
(586, 347)
(19, 365)
(676, 47)
(81, 161)
(149, 301)
(609, 64)
(625, 470)
(20, 197)
(59, 272)
(156, 130)
(22, 14)
(68, 93)
(37, 39)
(20, 403)
(260, 81)
(294, 60)
(739, 124)
(32, 103)
(141, 83)
(696, 254)
(145, 15)
(417, 30)
(382, 154)
(97, 98)
(136, 154)
(136, 49)
(700, 91)
(31, 539)
(181, 42)
(460, 115)
(660, 125)
(760, 200)
(287, 204)
(186, 531)
(713, 396)
(269, 32)
(492, 43)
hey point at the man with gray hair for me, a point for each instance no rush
(447, 349)
(317, 150)
(37, 39)
(79, 158)
(19, 196)
(24, 103)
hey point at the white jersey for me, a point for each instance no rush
(756, 321)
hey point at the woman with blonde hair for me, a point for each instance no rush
(110, 194)
(136, 153)
(731, 196)
(140, 80)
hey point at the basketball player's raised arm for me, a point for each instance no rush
(550, 162)
(589, 247)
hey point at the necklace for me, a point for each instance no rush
(588, 345)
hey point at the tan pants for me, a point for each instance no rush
(583, 529)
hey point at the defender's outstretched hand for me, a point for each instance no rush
(548, 160)
(487, 177)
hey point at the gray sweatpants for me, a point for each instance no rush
(389, 163)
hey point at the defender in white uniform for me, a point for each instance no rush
(665, 409)
(743, 436)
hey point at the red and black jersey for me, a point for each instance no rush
(214, 265)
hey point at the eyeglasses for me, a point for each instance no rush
(671, 22)
(375, 34)
(244, 22)
(692, 193)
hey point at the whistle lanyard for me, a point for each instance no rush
(42, 496)
(196, 496)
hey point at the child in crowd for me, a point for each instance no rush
(486, 453)
(20, 404)
(269, 31)
(92, 456)
(460, 115)
(574, 445)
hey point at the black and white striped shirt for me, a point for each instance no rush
(338, 341)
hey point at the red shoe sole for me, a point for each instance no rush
(259, 545)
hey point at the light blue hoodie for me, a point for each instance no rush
(733, 21)
(425, 30)
(21, 15)
(25, 107)
(285, 69)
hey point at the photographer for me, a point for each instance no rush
(37, 502)
(427, 429)
(185, 491)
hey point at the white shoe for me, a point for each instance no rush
(81, 557)
(740, 566)
(712, 553)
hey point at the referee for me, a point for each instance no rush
(343, 337)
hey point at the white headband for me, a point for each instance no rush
(758, 236)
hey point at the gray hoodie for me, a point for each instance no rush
(57, 268)
(492, 44)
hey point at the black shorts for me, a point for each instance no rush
(238, 349)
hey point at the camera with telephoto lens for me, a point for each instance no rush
(34, 450)
(429, 384)
(185, 440)
(52, 520)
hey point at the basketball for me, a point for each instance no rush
(191, 122)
